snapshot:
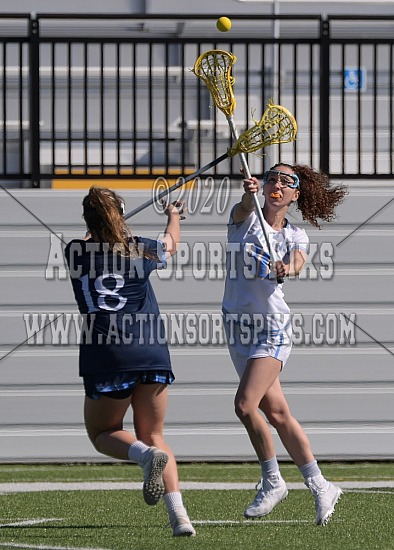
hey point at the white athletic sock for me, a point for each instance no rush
(174, 504)
(269, 467)
(310, 470)
(136, 452)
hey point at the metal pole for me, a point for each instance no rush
(324, 95)
(34, 91)
(275, 62)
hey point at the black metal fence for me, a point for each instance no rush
(113, 97)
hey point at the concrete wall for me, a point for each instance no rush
(339, 380)
(223, 7)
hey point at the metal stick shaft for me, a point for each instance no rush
(182, 182)
(234, 133)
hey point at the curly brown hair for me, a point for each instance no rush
(318, 198)
(103, 214)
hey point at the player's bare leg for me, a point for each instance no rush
(104, 424)
(296, 442)
(150, 404)
(260, 374)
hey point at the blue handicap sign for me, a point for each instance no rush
(354, 79)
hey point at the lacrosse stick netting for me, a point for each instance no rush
(214, 68)
(277, 124)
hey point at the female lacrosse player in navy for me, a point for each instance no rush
(124, 358)
(254, 300)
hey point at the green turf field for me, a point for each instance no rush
(119, 519)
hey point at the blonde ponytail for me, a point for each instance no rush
(103, 214)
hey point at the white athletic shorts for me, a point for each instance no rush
(249, 340)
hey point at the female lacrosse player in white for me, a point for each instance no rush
(258, 324)
(124, 359)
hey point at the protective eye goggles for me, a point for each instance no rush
(286, 179)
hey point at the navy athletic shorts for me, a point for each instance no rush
(120, 385)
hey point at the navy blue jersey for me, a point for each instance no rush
(122, 329)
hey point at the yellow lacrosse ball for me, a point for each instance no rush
(223, 24)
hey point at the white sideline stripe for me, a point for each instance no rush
(259, 522)
(369, 491)
(389, 484)
(27, 522)
(42, 547)
(195, 486)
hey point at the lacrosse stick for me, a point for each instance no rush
(271, 129)
(214, 68)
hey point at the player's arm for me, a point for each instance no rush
(172, 232)
(243, 209)
(296, 263)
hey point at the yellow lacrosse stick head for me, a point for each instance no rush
(281, 121)
(214, 68)
(277, 125)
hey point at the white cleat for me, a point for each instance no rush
(182, 527)
(153, 488)
(273, 491)
(326, 496)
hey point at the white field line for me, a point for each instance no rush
(43, 547)
(369, 491)
(27, 522)
(32, 487)
(259, 522)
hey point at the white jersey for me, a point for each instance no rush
(249, 289)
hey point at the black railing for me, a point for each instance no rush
(89, 96)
